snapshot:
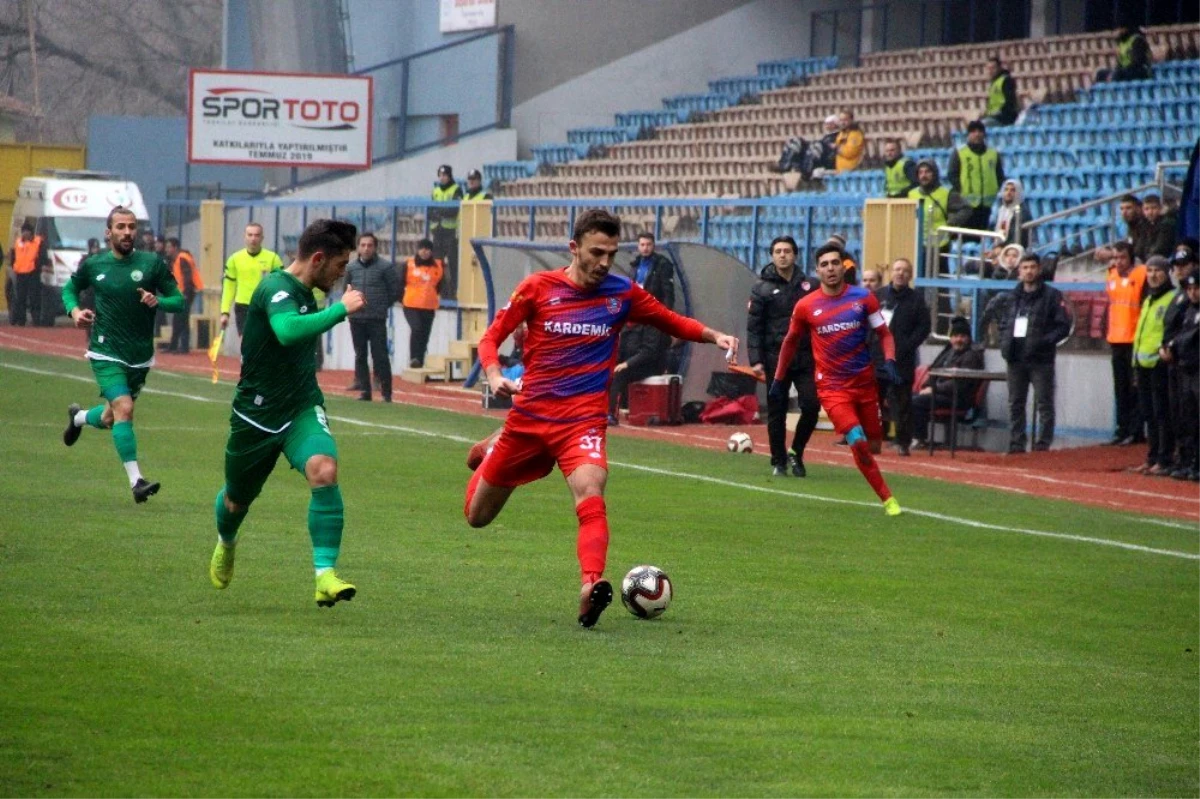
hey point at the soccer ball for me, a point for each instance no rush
(739, 442)
(646, 591)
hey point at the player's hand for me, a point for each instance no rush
(729, 344)
(621, 367)
(83, 317)
(224, 321)
(890, 372)
(149, 299)
(503, 387)
(758, 370)
(778, 391)
(353, 299)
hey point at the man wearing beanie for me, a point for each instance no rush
(1150, 373)
(960, 353)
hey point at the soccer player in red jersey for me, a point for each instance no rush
(560, 406)
(838, 319)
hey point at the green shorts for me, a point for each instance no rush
(251, 452)
(118, 380)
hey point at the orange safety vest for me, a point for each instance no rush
(420, 285)
(177, 268)
(1124, 303)
(25, 255)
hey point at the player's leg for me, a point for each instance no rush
(511, 458)
(844, 412)
(111, 379)
(581, 453)
(310, 449)
(480, 449)
(250, 456)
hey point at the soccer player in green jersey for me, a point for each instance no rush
(278, 407)
(129, 286)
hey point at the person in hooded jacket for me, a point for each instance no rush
(769, 314)
(1031, 319)
(942, 205)
(1150, 372)
(1009, 215)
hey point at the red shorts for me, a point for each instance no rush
(855, 406)
(527, 450)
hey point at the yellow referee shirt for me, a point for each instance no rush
(243, 272)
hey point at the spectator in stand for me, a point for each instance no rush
(899, 171)
(1133, 57)
(1140, 234)
(376, 278)
(850, 143)
(1184, 349)
(1150, 371)
(1160, 227)
(1031, 319)
(1009, 216)
(1002, 104)
(938, 393)
(768, 318)
(475, 189)
(443, 226)
(1124, 285)
(976, 172)
(187, 277)
(1183, 263)
(943, 205)
(907, 317)
(811, 158)
(653, 271)
(422, 276)
(1006, 263)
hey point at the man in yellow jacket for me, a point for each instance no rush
(243, 272)
(851, 145)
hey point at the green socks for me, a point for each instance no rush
(125, 441)
(325, 525)
(93, 417)
(228, 521)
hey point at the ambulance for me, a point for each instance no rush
(66, 208)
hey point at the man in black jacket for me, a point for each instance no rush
(653, 272)
(960, 353)
(1031, 320)
(1184, 348)
(907, 316)
(769, 315)
(380, 285)
(1183, 263)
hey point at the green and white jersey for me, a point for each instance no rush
(124, 327)
(278, 381)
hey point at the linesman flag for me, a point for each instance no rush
(214, 351)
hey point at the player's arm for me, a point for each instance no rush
(519, 309)
(228, 291)
(292, 327)
(70, 297)
(647, 310)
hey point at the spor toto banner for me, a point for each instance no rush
(279, 119)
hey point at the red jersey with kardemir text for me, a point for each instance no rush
(839, 326)
(571, 347)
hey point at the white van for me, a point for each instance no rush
(66, 208)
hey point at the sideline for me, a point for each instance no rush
(972, 523)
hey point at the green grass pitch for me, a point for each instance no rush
(813, 648)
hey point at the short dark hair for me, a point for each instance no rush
(27, 226)
(330, 236)
(827, 248)
(368, 235)
(121, 210)
(1131, 198)
(1124, 247)
(174, 242)
(1152, 198)
(975, 125)
(1031, 257)
(783, 240)
(596, 220)
(646, 234)
(995, 59)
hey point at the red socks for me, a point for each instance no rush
(592, 544)
(870, 469)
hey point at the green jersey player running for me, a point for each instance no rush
(127, 285)
(278, 407)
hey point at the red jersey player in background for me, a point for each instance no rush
(560, 405)
(838, 318)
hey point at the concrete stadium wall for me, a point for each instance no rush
(689, 46)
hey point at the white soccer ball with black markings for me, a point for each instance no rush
(739, 442)
(646, 591)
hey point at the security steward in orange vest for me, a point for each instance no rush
(26, 256)
(1124, 285)
(187, 276)
(422, 275)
